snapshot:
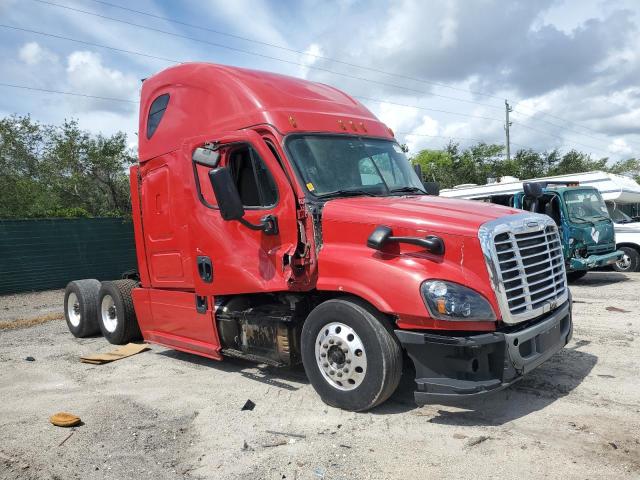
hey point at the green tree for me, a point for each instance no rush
(576, 162)
(50, 171)
(452, 166)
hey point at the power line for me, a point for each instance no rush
(293, 50)
(112, 99)
(269, 57)
(350, 64)
(566, 128)
(132, 52)
(253, 53)
(407, 134)
(46, 90)
(560, 138)
(248, 52)
(92, 44)
(424, 108)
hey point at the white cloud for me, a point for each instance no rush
(32, 54)
(620, 146)
(86, 74)
(449, 27)
(310, 57)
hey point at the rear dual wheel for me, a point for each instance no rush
(350, 354)
(117, 317)
(80, 307)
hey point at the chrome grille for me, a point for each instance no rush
(525, 260)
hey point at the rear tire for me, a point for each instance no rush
(117, 317)
(350, 354)
(630, 261)
(576, 275)
(81, 307)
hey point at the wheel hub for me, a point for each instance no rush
(341, 356)
(624, 262)
(73, 309)
(109, 314)
(336, 356)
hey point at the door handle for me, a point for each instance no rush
(201, 304)
(205, 269)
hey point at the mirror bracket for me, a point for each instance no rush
(207, 155)
(382, 236)
(268, 224)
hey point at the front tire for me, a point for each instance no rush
(350, 354)
(81, 307)
(630, 262)
(118, 321)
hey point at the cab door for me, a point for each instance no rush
(232, 258)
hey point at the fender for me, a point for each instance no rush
(391, 281)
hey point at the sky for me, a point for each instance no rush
(432, 70)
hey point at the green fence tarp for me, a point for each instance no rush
(48, 253)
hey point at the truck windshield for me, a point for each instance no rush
(333, 166)
(617, 215)
(585, 206)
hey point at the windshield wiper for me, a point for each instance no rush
(408, 190)
(582, 219)
(346, 193)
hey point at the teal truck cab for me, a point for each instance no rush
(585, 227)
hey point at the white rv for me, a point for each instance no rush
(620, 193)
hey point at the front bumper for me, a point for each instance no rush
(452, 367)
(593, 261)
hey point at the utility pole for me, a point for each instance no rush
(507, 124)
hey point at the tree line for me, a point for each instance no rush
(475, 164)
(64, 171)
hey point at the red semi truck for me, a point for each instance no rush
(277, 220)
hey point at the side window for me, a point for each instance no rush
(156, 112)
(205, 190)
(252, 178)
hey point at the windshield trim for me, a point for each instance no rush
(299, 177)
(590, 220)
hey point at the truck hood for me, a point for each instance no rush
(345, 263)
(412, 214)
(631, 227)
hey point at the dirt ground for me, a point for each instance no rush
(166, 415)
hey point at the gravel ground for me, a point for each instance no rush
(25, 306)
(166, 415)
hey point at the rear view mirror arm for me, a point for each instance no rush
(382, 235)
(268, 224)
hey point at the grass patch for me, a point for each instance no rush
(30, 322)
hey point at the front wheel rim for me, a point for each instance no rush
(109, 314)
(624, 263)
(73, 310)
(340, 356)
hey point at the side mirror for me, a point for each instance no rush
(226, 193)
(230, 203)
(383, 235)
(432, 188)
(379, 237)
(206, 156)
(532, 190)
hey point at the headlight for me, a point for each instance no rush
(450, 301)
